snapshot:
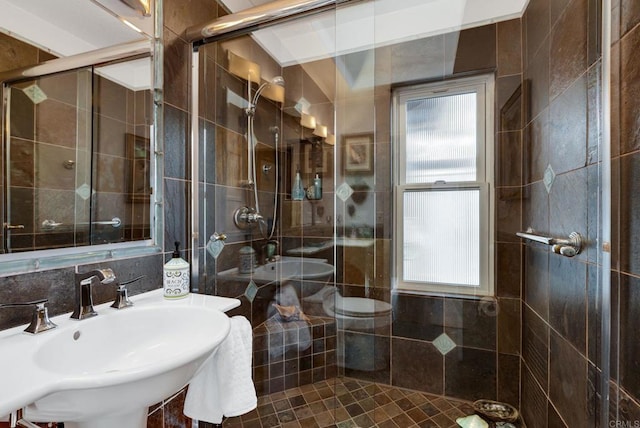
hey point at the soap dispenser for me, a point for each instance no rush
(297, 191)
(176, 276)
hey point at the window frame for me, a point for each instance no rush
(483, 86)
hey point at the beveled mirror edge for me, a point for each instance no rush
(40, 260)
(157, 166)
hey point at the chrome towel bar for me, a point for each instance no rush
(52, 224)
(566, 247)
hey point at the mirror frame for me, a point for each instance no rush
(39, 260)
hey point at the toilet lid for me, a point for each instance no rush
(361, 307)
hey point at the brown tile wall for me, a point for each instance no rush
(291, 354)
(560, 133)
(625, 282)
(16, 54)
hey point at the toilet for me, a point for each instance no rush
(356, 319)
(359, 313)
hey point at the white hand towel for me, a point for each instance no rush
(224, 386)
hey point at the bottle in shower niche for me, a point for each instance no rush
(317, 187)
(176, 276)
(297, 191)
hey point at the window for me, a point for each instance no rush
(443, 195)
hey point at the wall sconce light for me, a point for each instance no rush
(308, 121)
(331, 140)
(274, 93)
(320, 131)
(143, 6)
(243, 68)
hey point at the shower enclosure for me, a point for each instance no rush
(507, 136)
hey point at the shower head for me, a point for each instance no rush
(273, 89)
(278, 80)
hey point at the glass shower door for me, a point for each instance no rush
(376, 352)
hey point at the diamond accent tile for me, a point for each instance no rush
(214, 247)
(251, 291)
(344, 192)
(84, 191)
(444, 344)
(36, 94)
(549, 178)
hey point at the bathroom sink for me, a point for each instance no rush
(286, 269)
(105, 371)
(295, 268)
(105, 345)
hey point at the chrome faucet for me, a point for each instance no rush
(84, 298)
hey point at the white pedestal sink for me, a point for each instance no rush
(105, 371)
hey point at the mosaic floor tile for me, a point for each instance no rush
(356, 404)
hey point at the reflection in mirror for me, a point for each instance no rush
(78, 160)
(78, 145)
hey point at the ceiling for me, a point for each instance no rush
(364, 24)
(70, 27)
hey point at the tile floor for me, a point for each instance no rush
(349, 403)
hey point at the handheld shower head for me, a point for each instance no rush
(273, 89)
(278, 80)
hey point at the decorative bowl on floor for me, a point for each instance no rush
(495, 411)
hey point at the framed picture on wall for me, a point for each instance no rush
(315, 159)
(139, 159)
(358, 153)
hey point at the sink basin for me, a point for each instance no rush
(105, 371)
(287, 269)
(295, 268)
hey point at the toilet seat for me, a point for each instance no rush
(361, 307)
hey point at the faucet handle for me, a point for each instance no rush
(131, 281)
(40, 319)
(122, 296)
(40, 316)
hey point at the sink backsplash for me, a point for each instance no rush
(58, 287)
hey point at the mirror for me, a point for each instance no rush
(78, 145)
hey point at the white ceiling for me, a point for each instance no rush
(69, 27)
(365, 24)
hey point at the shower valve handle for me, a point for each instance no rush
(246, 218)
